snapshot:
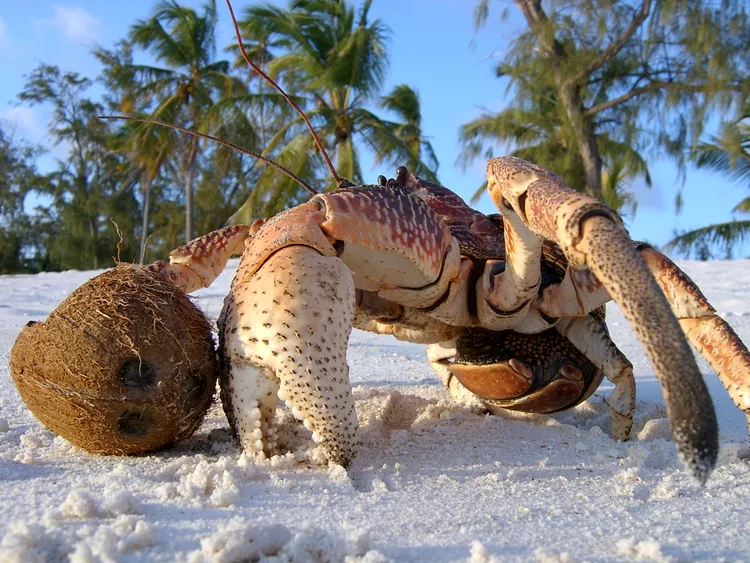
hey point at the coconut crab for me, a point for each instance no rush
(512, 305)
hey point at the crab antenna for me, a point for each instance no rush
(339, 181)
(232, 146)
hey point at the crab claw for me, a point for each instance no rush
(591, 235)
(284, 331)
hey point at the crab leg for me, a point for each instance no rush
(576, 296)
(591, 338)
(509, 293)
(591, 235)
(727, 355)
(708, 332)
(386, 317)
(198, 263)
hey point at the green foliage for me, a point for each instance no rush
(729, 154)
(17, 177)
(404, 102)
(188, 89)
(702, 243)
(334, 58)
(77, 230)
(598, 83)
(147, 183)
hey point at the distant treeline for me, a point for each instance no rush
(592, 86)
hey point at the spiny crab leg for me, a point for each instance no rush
(198, 263)
(579, 293)
(591, 235)
(707, 332)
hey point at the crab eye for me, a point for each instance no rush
(402, 173)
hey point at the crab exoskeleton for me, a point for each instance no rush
(512, 306)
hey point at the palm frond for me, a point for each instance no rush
(404, 102)
(723, 159)
(384, 139)
(742, 207)
(152, 36)
(275, 191)
(722, 235)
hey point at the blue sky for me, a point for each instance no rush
(434, 49)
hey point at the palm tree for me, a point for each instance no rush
(259, 47)
(404, 102)
(333, 59)
(728, 153)
(147, 149)
(191, 88)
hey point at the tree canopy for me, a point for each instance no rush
(334, 58)
(597, 88)
(597, 84)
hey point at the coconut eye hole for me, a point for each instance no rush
(134, 424)
(137, 374)
(195, 388)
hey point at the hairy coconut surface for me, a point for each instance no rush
(125, 365)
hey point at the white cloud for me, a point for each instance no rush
(4, 37)
(24, 121)
(30, 125)
(75, 23)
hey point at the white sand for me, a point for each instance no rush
(434, 481)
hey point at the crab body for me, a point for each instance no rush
(511, 306)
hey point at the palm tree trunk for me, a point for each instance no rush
(189, 176)
(146, 206)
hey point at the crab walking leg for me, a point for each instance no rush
(509, 293)
(709, 333)
(591, 338)
(385, 317)
(590, 234)
(285, 330)
(198, 263)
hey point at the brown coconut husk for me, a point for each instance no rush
(125, 365)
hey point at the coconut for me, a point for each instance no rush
(125, 365)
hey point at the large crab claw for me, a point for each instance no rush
(286, 322)
(283, 333)
(592, 236)
(284, 328)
